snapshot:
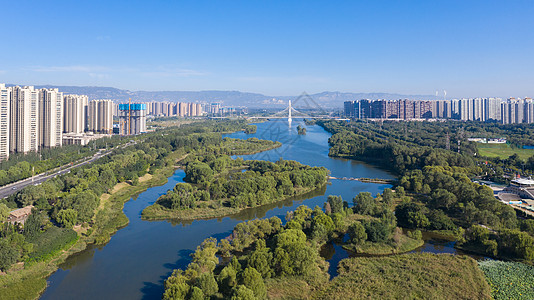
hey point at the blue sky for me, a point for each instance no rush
(469, 48)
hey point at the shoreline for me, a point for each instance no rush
(156, 212)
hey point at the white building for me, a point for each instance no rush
(50, 118)
(100, 116)
(75, 113)
(5, 99)
(24, 119)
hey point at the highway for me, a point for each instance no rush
(14, 187)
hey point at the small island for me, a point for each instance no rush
(301, 130)
(217, 186)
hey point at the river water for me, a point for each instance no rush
(135, 263)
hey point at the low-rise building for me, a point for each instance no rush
(522, 187)
(20, 215)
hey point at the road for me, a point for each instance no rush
(12, 188)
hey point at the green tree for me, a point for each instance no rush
(67, 217)
(336, 204)
(32, 226)
(252, 280)
(206, 282)
(196, 294)
(4, 212)
(364, 204)
(227, 279)
(243, 293)
(8, 254)
(357, 233)
(442, 198)
(377, 231)
(261, 259)
(176, 286)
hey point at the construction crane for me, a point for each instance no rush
(130, 116)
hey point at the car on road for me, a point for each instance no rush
(14, 188)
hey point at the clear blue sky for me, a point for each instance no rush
(469, 48)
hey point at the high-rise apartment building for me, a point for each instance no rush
(5, 99)
(24, 119)
(132, 118)
(50, 118)
(75, 113)
(100, 116)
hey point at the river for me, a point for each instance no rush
(139, 257)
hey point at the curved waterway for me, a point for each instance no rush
(139, 257)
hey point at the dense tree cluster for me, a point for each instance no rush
(259, 249)
(263, 182)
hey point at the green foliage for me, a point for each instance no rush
(227, 279)
(4, 212)
(377, 231)
(67, 217)
(261, 259)
(357, 233)
(335, 203)
(252, 279)
(292, 256)
(415, 234)
(32, 224)
(50, 242)
(206, 282)
(9, 254)
(243, 293)
(509, 280)
(301, 130)
(198, 172)
(364, 204)
(176, 286)
(407, 276)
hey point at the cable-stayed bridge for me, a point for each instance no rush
(288, 113)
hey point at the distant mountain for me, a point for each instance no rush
(229, 98)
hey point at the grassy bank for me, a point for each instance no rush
(29, 281)
(408, 276)
(213, 209)
(403, 245)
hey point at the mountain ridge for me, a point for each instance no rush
(325, 99)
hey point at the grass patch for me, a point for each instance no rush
(509, 280)
(503, 151)
(404, 244)
(407, 276)
(208, 209)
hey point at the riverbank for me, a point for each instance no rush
(30, 281)
(158, 212)
(403, 245)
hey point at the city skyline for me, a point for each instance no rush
(474, 49)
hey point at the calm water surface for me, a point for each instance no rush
(134, 264)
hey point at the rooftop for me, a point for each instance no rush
(523, 181)
(21, 211)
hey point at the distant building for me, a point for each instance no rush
(132, 118)
(24, 119)
(522, 187)
(50, 118)
(5, 99)
(75, 113)
(81, 138)
(100, 116)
